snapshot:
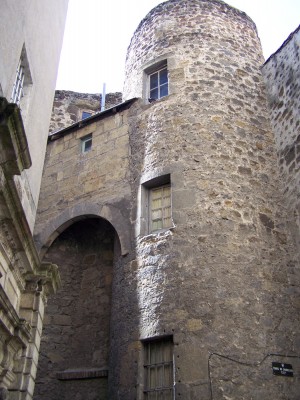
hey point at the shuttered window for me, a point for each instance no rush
(159, 370)
(160, 208)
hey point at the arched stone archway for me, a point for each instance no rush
(48, 232)
(75, 347)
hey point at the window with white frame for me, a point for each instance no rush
(158, 369)
(86, 143)
(22, 81)
(158, 84)
(156, 80)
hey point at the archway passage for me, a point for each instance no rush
(75, 345)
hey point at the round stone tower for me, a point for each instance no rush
(208, 281)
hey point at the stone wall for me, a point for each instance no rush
(25, 283)
(79, 181)
(75, 343)
(40, 36)
(78, 186)
(162, 44)
(217, 274)
(282, 78)
(221, 280)
(31, 32)
(68, 106)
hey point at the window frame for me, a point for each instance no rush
(152, 69)
(84, 140)
(159, 85)
(163, 208)
(18, 87)
(22, 83)
(158, 364)
(145, 203)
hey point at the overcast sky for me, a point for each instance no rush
(98, 33)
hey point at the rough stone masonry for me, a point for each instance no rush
(220, 282)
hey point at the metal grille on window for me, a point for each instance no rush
(160, 207)
(17, 92)
(159, 374)
(159, 86)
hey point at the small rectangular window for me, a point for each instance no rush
(158, 84)
(158, 369)
(160, 208)
(86, 143)
(156, 205)
(85, 114)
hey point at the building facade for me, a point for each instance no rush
(28, 71)
(281, 74)
(70, 107)
(170, 221)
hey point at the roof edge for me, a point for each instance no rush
(288, 39)
(84, 122)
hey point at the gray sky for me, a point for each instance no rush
(98, 33)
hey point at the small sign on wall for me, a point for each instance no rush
(282, 369)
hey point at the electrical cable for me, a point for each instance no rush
(249, 364)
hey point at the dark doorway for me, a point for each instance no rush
(74, 351)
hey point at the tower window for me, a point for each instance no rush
(86, 143)
(158, 84)
(158, 369)
(160, 208)
(156, 205)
